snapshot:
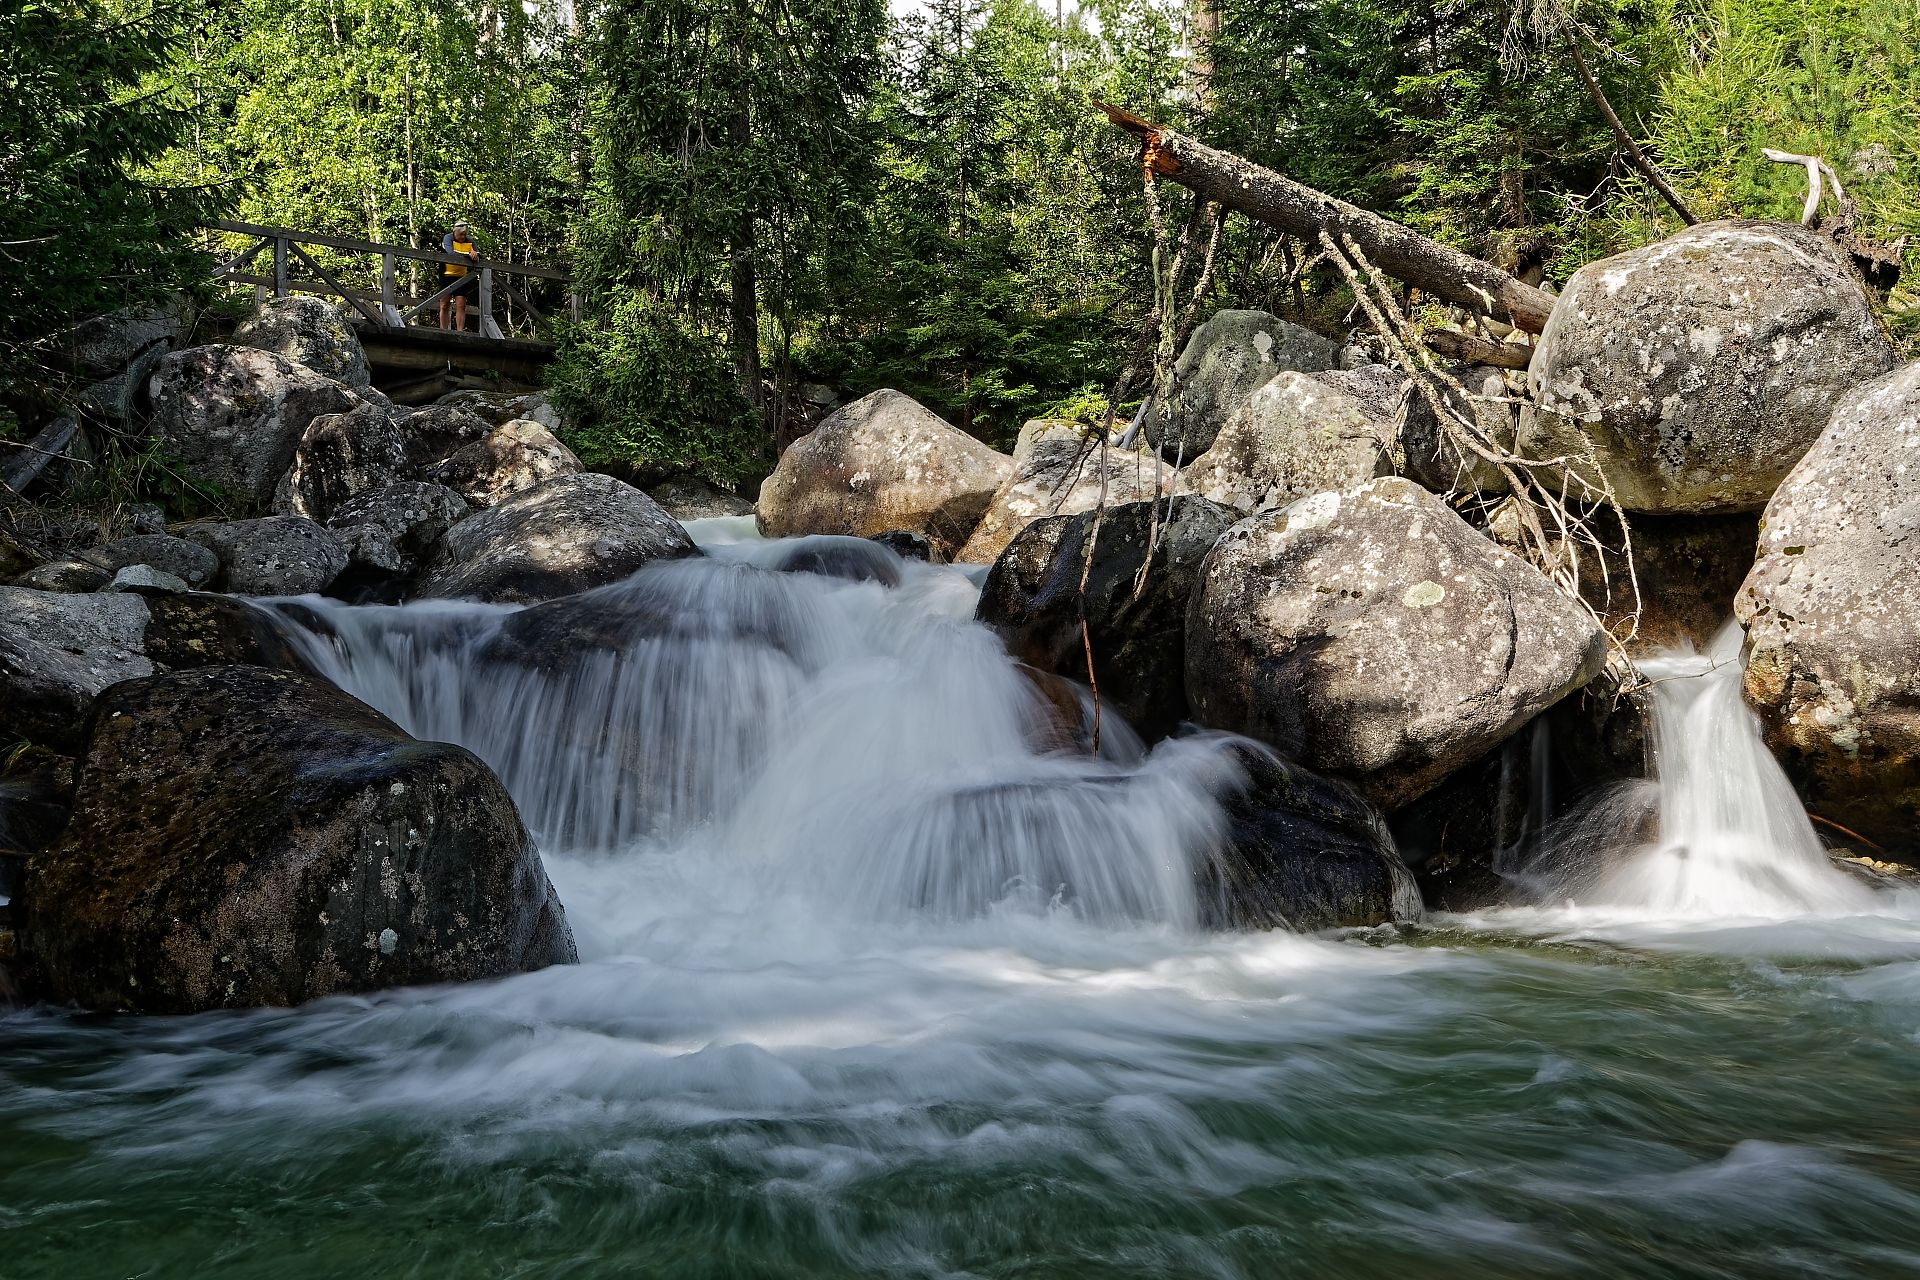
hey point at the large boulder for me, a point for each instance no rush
(1032, 600)
(1298, 434)
(308, 331)
(883, 463)
(1697, 370)
(691, 498)
(567, 535)
(57, 652)
(233, 416)
(341, 455)
(507, 460)
(1427, 452)
(1058, 470)
(188, 561)
(1832, 611)
(1303, 852)
(1228, 358)
(345, 856)
(1375, 635)
(273, 556)
(391, 532)
(434, 432)
(498, 408)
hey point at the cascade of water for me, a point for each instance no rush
(869, 748)
(1734, 839)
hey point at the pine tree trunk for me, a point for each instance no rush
(744, 318)
(1279, 201)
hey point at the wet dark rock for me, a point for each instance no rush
(569, 534)
(193, 564)
(36, 794)
(1303, 852)
(906, 544)
(1032, 600)
(855, 559)
(347, 856)
(273, 556)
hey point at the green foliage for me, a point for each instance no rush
(647, 394)
(80, 233)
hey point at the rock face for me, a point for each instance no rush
(569, 534)
(1304, 852)
(1832, 611)
(1226, 360)
(436, 431)
(883, 463)
(507, 460)
(234, 416)
(390, 532)
(341, 455)
(1427, 455)
(1057, 472)
(1296, 435)
(69, 576)
(307, 331)
(274, 556)
(691, 498)
(1032, 600)
(57, 652)
(188, 561)
(1699, 369)
(1689, 568)
(347, 856)
(1375, 635)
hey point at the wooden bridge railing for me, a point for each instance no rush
(387, 309)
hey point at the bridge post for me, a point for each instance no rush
(486, 327)
(279, 266)
(388, 310)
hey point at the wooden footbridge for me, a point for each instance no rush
(412, 357)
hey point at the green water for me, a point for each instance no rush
(1012, 1098)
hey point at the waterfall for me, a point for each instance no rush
(864, 748)
(1732, 836)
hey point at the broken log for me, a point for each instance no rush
(1299, 210)
(1468, 349)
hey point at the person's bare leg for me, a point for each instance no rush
(443, 313)
(460, 312)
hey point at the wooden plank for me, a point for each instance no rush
(372, 246)
(232, 265)
(338, 288)
(34, 456)
(453, 282)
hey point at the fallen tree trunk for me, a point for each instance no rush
(1465, 347)
(1279, 201)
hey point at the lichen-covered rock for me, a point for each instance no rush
(567, 535)
(1296, 435)
(390, 532)
(1373, 634)
(273, 556)
(144, 579)
(882, 463)
(691, 498)
(509, 459)
(497, 408)
(58, 651)
(307, 331)
(1426, 453)
(434, 432)
(1699, 369)
(345, 856)
(1303, 852)
(104, 346)
(188, 561)
(233, 416)
(342, 455)
(1032, 600)
(1832, 611)
(1058, 471)
(72, 577)
(1227, 359)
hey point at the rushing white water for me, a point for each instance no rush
(865, 748)
(1733, 838)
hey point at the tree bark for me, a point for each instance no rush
(1647, 168)
(1279, 201)
(1466, 347)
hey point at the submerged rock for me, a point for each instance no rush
(1032, 600)
(1699, 369)
(346, 856)
(307, 331)
(1228, 358)
(1373, 634)
(855, 559)
(883, 463)
(1303, 852)
(1058, 470)
(564, 536)
(907, 545)
(233, 416)
(1832, 611)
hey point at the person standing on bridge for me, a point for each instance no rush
(458, 242)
